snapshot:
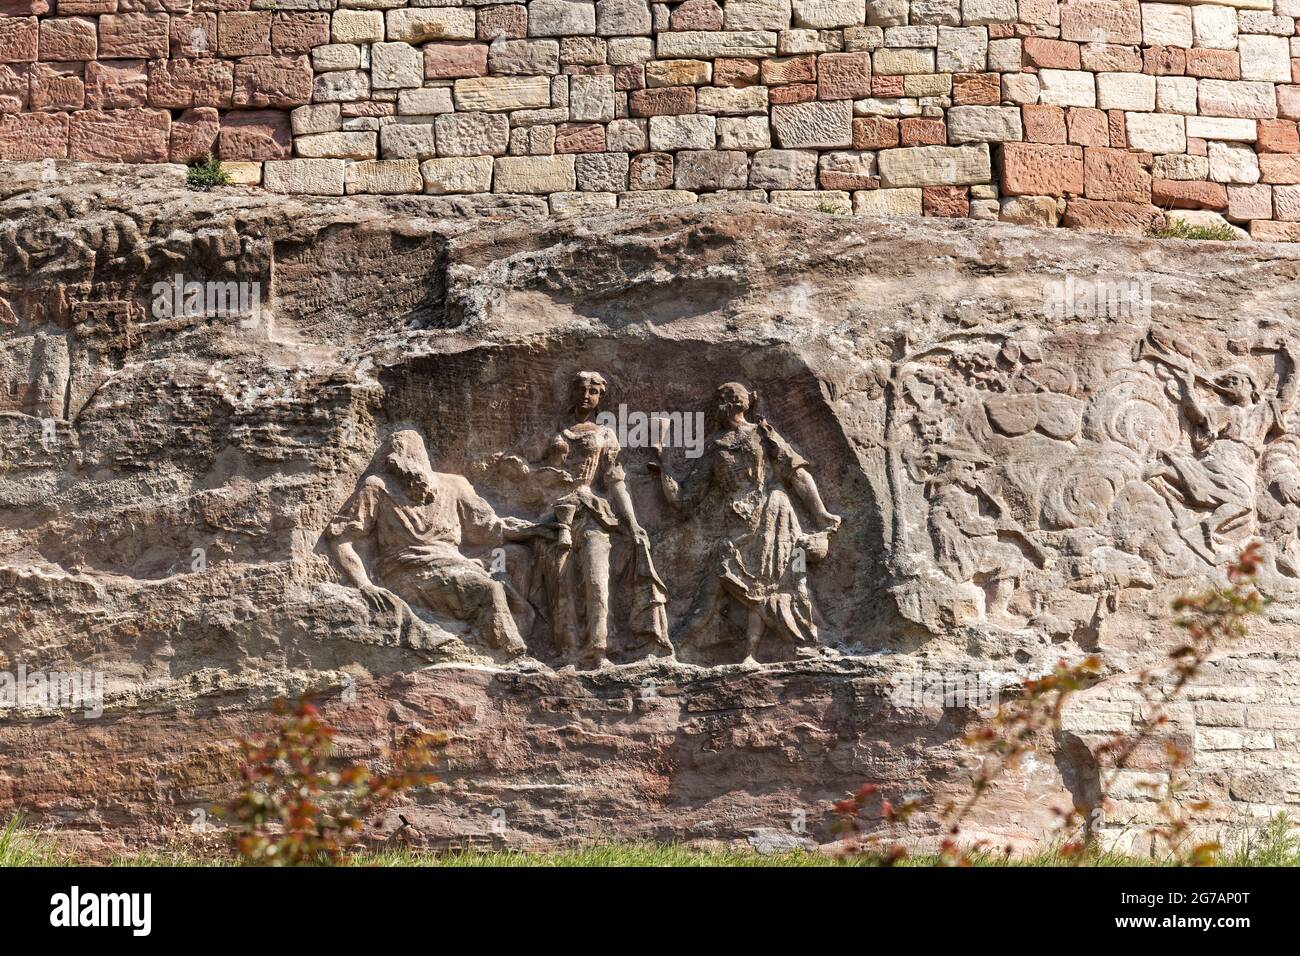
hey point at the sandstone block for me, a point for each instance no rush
(534, 174)
(407, 141)
(383, 177)
(1232, 163)
(67, 39)
(819, 125)
(27, 136)
(984, 124)
(744, 132)
(1033, 169)
(120, 136)
(131, 36)
(701, 170)
(558, 18)
(472, 174)
(500, 94)
(671, 133)
(344, 145)
(702, 45)
(1126, 91)
(934, 166)
(887, 202)
(651, 171)
(1156, 132)
(256, 136)
(1067, 88)
(19, 40)
(317, 177)
(1237, 98)
(523, 57)
(423, 24)
(471, 134)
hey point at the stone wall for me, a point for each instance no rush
(1095, 113)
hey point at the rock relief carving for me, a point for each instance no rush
(1054, 475)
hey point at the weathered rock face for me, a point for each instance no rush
(256, 445)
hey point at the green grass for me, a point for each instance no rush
(1275, 845)
(207, 174)
(1179, 229)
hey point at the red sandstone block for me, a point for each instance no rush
(1196, 146)
(630, 77)
(246, 33)
(255, 136)
(1001, 31)
(281, 82)
(1188, 194)
(651, 171)
(194, 135)
(299, 32)
(662, 101)
(976, 89)
(1050, 54)
(86, 8)
(1214, 64)
(455, 61)
(843, 76)
(120, 136)
(1118, 130)
(34, 136)
(875, 132)
(580, 138)
(1164, 61)
(1087, 127)
(950, 202)
(916, 131)
(508, 21)
(1279, 168)
(1288, 101)
(789, 69)
(132, 36)
(736, 71)
(697, 15)
(116, 84)
(68, 39)
(1033, 169)
(1115, 174)
(18, 39)
(792, 93)
(14, 86)
(887, 87)
(57, 86)
(1125, 218)
(180, 84)
(193, 35)
(1044, 124)
(1277, 136)
(24, 8)
(1111, 58)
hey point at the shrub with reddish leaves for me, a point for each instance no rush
(299, 806)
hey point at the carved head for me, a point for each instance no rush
(586, 392)
(408, 461)
(1238, 384)
(732, 398)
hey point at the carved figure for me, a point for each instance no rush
(417, 519)
(1227, 440)
(589, 504)
(760, 559)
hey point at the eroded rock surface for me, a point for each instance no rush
(254, 445)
